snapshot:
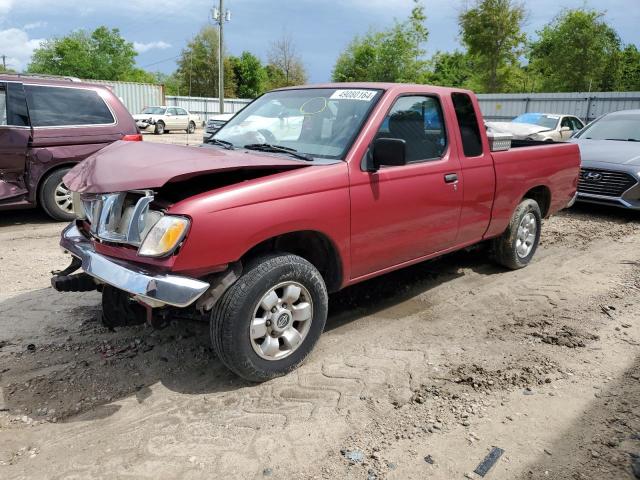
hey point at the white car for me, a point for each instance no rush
(163, 119)
(542, 127)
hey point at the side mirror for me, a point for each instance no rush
(388, 151)
(565, 129)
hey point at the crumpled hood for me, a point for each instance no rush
(126, 166)
(520, 131)
(145, 116)
(609, 151)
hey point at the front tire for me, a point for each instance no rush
(267, 323)
(515, 248)
(159, 130)
(55, 197)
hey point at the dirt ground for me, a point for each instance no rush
(418, 374)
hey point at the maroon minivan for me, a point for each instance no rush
(47, 125)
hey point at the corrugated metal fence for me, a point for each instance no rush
(587, 106)
(135, 96)
(205, 107)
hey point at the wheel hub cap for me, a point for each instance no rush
(63, 198)
(281, 321)
(526, 237)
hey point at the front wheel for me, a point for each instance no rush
(515, 248)
(159, 130)
(266, 323)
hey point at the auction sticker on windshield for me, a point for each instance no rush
(364, 95)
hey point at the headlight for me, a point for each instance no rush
(78, 206)
(164, 236)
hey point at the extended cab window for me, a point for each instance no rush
(63, 106)
(3, 106)
(419, 122)
(468, 124)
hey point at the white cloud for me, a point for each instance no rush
(5, 6)
(145, 47)
(34, 25)
(18, 47)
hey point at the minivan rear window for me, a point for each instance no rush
(63, 106)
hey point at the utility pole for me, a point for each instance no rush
(220, 16)
(4, 62)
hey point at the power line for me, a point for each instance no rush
(160, 61)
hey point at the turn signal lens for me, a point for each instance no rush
(78, 206)
(164, 236)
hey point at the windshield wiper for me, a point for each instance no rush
(222, 143)
(267, 147)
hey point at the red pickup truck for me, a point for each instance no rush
(306, 191)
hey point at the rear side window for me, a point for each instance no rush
(62, 106)
(468, 124)
(3, 106)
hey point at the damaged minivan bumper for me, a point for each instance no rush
(152, 289)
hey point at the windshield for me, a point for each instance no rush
(153, 111)
(320, 122)
(546, 121)
(624, 127)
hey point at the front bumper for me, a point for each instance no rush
(154, 289)
(143, 125)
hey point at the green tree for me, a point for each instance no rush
(492, 32)
(392, 55)
(285, 67)
(577, 51)
(198, 66)
(102, 54)
(450, 69)
(250, 75)
(629, 77)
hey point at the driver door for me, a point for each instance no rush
(15, 136)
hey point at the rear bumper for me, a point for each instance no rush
(154, 289)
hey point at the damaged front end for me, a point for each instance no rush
(128, 221)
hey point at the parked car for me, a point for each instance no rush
(47, 125)
(163, 119)
(252, 231)
(542, 127)
(610, 150)
(215, 123)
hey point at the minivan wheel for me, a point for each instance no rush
(192, 128)
(159, 130)
(55, 198)
(266, 323)
(515, 248)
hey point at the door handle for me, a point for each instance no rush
(451, 177)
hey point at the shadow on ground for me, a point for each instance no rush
(608, 436)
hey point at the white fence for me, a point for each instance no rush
(587, 106)
(205, 107)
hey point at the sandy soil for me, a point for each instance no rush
(418, 375)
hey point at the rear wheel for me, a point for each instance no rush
(516, 246)
(192, 127)
(55, 197)
(159, 130)
(267, 322)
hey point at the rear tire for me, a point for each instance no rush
(192, 128)
(159, 130)
(252, 325)
(55, 197)
(515, 248)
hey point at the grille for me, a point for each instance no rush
(604, 182)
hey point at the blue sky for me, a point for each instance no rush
(319, 28)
